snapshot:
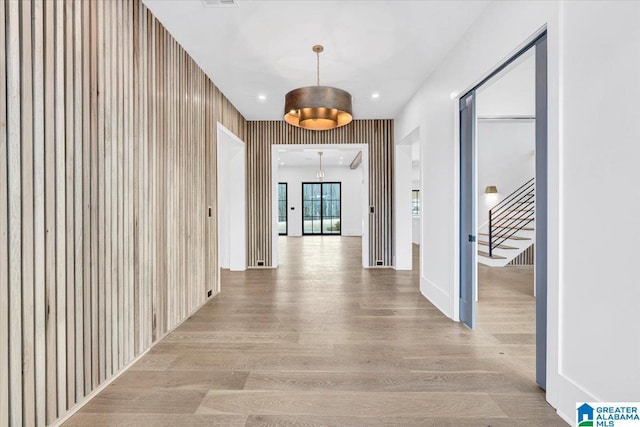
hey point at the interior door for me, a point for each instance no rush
(468, 251)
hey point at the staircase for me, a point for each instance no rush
(511, 227)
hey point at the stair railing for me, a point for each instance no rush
(511, 215)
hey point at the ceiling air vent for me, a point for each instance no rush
(219, 3)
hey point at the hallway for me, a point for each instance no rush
(321, 341)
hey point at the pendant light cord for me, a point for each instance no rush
(318, 67)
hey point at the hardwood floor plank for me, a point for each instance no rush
(126, 400)
(535, 406)
(330, 421)
(382, 382)
(362, 404)
(193, 380)
(156, 420)
(233, 337)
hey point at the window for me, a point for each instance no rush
(321, 208)
(282, 209)
(415, 202)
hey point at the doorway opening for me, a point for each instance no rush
(335, 205)
(503, 193)
(232, 210)
(407, 201)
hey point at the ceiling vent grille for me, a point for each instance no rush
(219, 3)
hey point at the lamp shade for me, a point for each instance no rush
(491, 189)
(318, 107)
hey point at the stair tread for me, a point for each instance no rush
(486, 254)
(500, 236)
(483, 243)
(516, 218)
(514, 228)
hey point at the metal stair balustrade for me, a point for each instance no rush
(512, 215)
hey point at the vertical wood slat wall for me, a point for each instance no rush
(526, 257)
(378, 134)
(107, 170)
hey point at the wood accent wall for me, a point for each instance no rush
(107, 170)
(527, 257)
(378, 134)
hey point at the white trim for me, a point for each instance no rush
(436, 295)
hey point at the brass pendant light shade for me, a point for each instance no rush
(318, 107)
(491, 189)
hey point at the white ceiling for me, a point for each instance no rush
(308, 157)
(264, 47)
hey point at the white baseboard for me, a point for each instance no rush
(437, 296)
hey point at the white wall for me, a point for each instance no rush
(600, 199)
(506, 159)
(415, 232)
(593, 334)
(352, 182)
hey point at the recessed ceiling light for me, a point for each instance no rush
(219, 3)
(262, 97)
(375, 95)
(454, 95)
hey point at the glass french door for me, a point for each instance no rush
(283, 226)
(321, 208)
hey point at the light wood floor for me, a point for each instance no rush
(321, 341)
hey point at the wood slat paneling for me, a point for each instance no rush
(12, 51)
(4, 227)
(378, 134)
(527, 257)
(107, 138)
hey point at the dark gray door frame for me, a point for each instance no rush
(468, 269)
(542, 176)
(468, 228)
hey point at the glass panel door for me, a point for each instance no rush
(321, 206)
(311, 207)
(331, 208)
(282, 209)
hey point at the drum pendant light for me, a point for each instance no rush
(318, 107)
